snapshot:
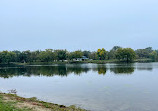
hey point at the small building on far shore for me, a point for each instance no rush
(83, 58)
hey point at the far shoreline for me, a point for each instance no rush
(80, 62)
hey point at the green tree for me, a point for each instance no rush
(86, 53)
(144, 53)
(125, 54)
(77, 54)
(102, 54)
(61, 54)
(112, 52)
(34, 56)
(7, 57)
(47, 55)
(154, 56)
(93, 55)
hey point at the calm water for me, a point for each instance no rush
(108, 87)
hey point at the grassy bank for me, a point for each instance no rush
(143, 60)
(68, 62)
(77, 62)
(12, 102)
(88, 61)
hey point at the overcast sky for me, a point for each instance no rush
(78, 24)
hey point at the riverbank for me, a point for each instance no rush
(12, 102)
(76, 62)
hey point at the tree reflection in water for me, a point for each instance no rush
(65, 70)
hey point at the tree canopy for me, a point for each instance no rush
(125, 54)
(51, 55)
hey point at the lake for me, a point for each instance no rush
(95, 87)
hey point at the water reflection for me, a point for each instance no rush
(102, 69)
(65, 70)
(147, 66)
(122, 70)
(90, 86)
(41, 71)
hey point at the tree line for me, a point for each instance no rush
(50, 55)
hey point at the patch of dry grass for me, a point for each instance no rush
(31, 104)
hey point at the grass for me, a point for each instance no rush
(102, 61)
(143, 60)
(12, 102)
(78, 62)
(9, 105)
(67, 62)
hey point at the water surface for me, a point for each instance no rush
(96, 87)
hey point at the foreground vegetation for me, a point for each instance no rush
(12, 102)
(100, 56)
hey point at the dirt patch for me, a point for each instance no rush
(32, 106)
(8, 99)
(22, 103)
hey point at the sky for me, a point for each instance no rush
(78, 24)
